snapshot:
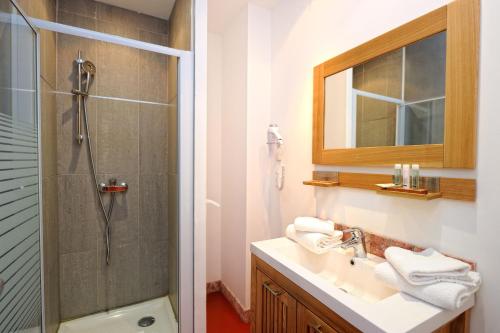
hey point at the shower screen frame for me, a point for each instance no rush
(185, 126)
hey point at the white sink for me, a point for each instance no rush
(348, 287)
(353, 276)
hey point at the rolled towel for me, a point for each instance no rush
(313, 224)
(429, 266)
(450, 296)
(312, 241)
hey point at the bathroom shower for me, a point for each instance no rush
(96, 131)
(86, 71)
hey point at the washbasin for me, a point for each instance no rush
(348, 287)
(351, 275)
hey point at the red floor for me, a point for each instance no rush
(221, 317)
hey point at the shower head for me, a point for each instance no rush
(88, 67)
(89, 70)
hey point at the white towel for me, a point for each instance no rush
(312, 241)
(313, 224)
(428, 266)
(450, 296)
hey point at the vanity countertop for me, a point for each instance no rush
(396, 313)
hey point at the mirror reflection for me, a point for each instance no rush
(395, 99)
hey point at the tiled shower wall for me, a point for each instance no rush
(129, 124)
(46, 10)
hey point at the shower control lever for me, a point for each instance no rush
(113, 188)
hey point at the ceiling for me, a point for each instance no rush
(156, 8)
(220, 11)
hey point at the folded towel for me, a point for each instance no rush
(313, 241)
(450, 296)
(428, 266)
(313, 224)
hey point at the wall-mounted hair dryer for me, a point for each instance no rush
(274, 136)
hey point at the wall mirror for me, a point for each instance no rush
(409, 95)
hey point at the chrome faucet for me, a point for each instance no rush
(357, 242)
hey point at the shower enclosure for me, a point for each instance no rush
(20, 257)
(108, 143)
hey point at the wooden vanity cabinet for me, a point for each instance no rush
(308, 322)
(280, 306)
(275, 309)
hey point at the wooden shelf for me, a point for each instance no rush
(321, 183)
(448, 188)
(410, 195)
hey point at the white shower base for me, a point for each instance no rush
(124, 320)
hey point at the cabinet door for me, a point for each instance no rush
(308, 322)
(275, 310)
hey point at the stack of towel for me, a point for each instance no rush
(314, 234)
(429, 276)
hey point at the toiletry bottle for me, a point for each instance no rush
(415, 176)
(397, 175)
(406, 175)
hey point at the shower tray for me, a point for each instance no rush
(126, 319)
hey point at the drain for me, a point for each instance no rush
(146, 321)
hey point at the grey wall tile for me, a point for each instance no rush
(118, 137)
(78, 284)
(118, 71)
(153, 78)
(173, 241)
(118, 15)
(49, 130)
(180, 25)
(153, 139)
(121, 28)
(73, 158)
(87, 8)
(153, 268)
(153, 37)
(153, 211)
(48, 52)
(51, 253)
(153, 24)
(77, 214)
(172, 145)
(172, 72)
(119, 281)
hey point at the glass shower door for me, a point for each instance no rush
(20, 259)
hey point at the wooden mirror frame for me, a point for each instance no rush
(460, 20)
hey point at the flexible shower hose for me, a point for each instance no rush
(107, 214)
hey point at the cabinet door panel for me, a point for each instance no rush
(307, 322)
(275, 309)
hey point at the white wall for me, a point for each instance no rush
(259, 180)
(240, 63)
(214, 145)
(233, 156)
(306, 33)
